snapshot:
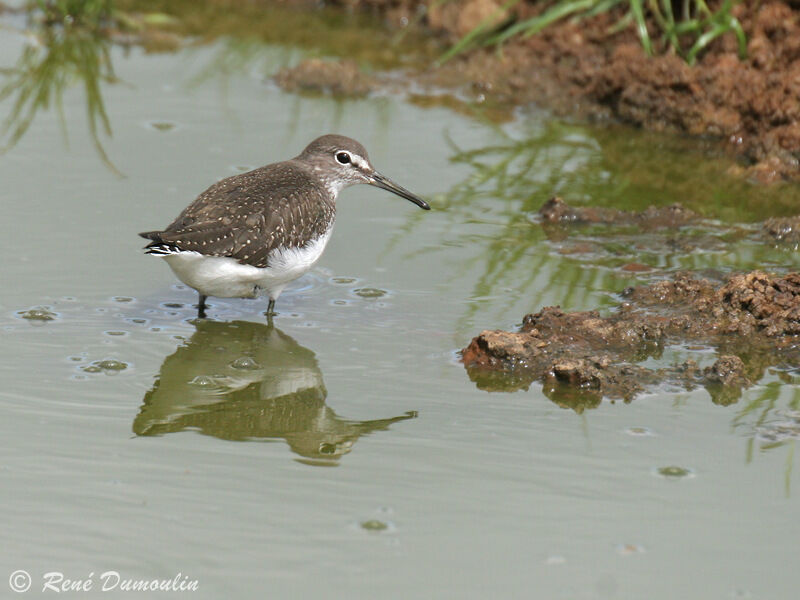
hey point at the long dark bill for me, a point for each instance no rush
(387, 184)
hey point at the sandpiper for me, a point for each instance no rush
(254, 233)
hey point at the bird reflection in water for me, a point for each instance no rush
(250, 381)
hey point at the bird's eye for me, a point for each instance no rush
(343, 158)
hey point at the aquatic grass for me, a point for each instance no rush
(687, 32)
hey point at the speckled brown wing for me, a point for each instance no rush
(248, 216)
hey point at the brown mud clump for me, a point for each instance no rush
(338, 78)
(752, 321)
(556, 210)
(561, 223)
(784, 229)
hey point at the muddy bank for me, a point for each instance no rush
(581, 67)
(591, 68)
(751, 322)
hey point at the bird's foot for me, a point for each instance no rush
(270, 310)
(201, 307)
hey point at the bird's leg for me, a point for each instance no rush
(201, 307)
(271, 309)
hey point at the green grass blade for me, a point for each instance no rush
(734, 24)
(471, 38)
(641, 26)
(535, 24)
(601, 7)
(703, 41)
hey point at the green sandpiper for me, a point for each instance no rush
(254, 233)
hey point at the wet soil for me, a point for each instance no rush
(751, 322)
(585, 68)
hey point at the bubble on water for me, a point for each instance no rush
(203, 381)
(370, 293)
(38, 314)
(172, 305)
(116, 333)
(628, 549)
(162, 126)
(639, 431)
(674, 472)
(343, 280)
(110, 364)
(374, 525)
(245, 363)
(122, 299)
(339, 302)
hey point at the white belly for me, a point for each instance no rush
(224, 277)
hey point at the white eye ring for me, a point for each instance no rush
(343, 158)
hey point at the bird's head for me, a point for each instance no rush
(341, 161)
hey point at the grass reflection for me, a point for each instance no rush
(493, 213)
(772, 420)
(511, 255)
(54, 60)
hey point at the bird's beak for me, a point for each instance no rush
(387, 184)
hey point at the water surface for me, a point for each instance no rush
(139, 440)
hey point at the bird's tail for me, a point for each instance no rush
(157, 246)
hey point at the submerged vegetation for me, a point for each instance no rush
(686, 27)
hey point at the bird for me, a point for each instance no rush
(252, 234)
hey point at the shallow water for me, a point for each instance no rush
(140, 441)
